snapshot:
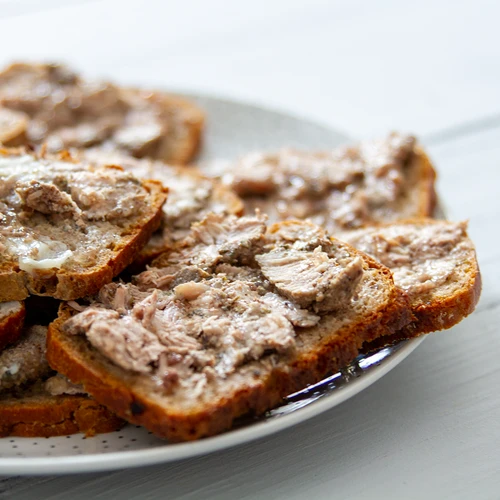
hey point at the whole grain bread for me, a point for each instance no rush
(236, 375)
(34, 402)
(57, 107)
(13, 126)
(343, 189)
(434, 262)
(33, 413)
(68, 228)
(11, 322)
(191, 196)
(184, 120)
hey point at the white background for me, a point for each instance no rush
(431, 428)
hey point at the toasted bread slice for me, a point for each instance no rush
(13, 127)
(341, 190)
(34, 403)
(191, 196)
(35, 413)
(239, 318)
(70, 112)
(11, 322)
(69, 228)
(183, 122)
(434, 262)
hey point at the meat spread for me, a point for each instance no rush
(191, 195)
(62, 110)
(58, 385)
(50, 208)
(219, 301)
(422, 258)
(25, 361)
(216, 239)
(340, 190)
(310, 278)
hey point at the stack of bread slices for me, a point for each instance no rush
(180, 299)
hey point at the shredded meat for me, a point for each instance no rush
(191, 195)
(226, 239)
(55, 213)
(229, 294)
(215, 323)
(24, 362)
(420, 260)
(46, 198)
(59, 384)
(106, 196)
(311, 278)
(168, 277)
(339, 190)
(297, 316)
(123, 340)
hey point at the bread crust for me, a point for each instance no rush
(439, 312)
(16, 284)
(428, 195)
(11, 327)
(73, 356)
(15, 135)
(184, 140)
(48, 416)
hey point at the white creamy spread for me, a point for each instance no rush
(35, 255)
(29, 265)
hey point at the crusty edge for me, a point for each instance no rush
(188, 120)
(17, 285)
(11, 327)
(440, 315)
(67, 415)
(428, 198)
(257, 397)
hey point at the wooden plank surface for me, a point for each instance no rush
(430, 428)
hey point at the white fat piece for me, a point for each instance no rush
(38, 255)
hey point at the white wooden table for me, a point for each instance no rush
(431, 428)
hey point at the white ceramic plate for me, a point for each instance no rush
(232, 129)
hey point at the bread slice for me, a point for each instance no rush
(183, 122)
(13, 126)
(34, 403)
(34, 413)
(219, 331)
(58, 107)
(191, 196)
(342, 189)
(434, 262)
(11, 322)
(67, 228)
